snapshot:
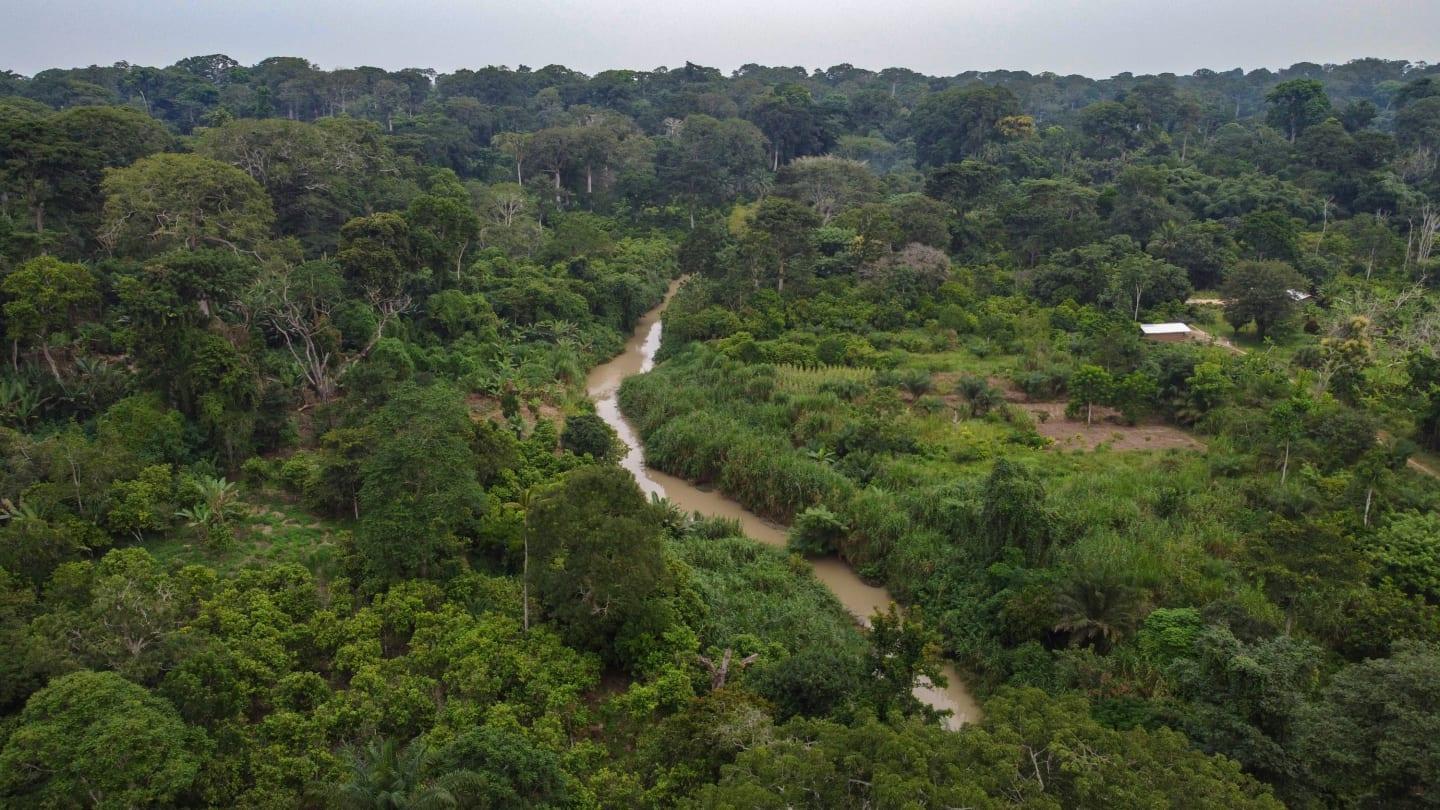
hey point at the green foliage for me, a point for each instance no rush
(587, 433)
(1089, 386)
(95, 738)
(598, 559)
(418, 487)
(816, 531)
(874, 764)
(183, 201)
(365, 292)
(1406, 553)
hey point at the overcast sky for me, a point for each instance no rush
(939, 37)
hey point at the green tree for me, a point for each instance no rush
(1134, 395)
(794, 123)
(170, 200)
(1097, 608)
(94, 739)
(1418, 124)
(43, 297)
(1204, 249)
(1269, 234)
(510, 770)
(828, 185)
(598, 554)
(443, 228)
(777, 242)
(1260, 292)
(957, 123)
(1089, 386)
(387, 776)
(419, 487)
(1048, 215)
(711, 162)
(316, 175)
(1296, 105)
(1286, 425)
(1140, 280)
(903, 653)
(1370, 740)
(588, 433)
(1405, 552)
(1013, 513)
(1246, 699)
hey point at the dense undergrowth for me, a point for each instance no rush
(302, 503)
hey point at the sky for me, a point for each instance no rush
(1097, 38)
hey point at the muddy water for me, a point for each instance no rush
(862, 600)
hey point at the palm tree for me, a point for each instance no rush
(385, 776)
(1097, 609)
(522, 503)
(215, 503)
(978, 394)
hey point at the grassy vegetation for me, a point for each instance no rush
(271, 530)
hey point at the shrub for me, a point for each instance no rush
(587, 434)
(816, 532)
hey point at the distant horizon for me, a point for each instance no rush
(727, 71)
(1097, 39)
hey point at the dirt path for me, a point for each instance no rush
(1202, 336)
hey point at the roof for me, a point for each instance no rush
(1298, 295)
(1164, 328)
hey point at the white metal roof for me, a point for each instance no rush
(1164, 328)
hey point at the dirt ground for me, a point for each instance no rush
(1106, 428)
(484, 407)
(1201, 336)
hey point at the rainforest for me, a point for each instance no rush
(773, 438)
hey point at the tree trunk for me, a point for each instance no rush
(55, 370)
(1089, 408)
(1285, 465)
(1369, 494)
(525, 583)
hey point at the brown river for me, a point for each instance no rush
(862, 600)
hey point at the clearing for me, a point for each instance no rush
(1105, 429)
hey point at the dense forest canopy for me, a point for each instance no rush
(303, 501)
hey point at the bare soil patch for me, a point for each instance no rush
(486, 407)
(1106, 428)
(1201, 336)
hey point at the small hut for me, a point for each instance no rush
(1166, 332)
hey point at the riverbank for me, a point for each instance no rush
(861, 599)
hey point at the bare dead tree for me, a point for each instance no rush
(300, 315)
(719, 674)
(1420, 242)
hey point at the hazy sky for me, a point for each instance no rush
(1093, 37)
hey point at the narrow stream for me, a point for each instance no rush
(862, 600)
